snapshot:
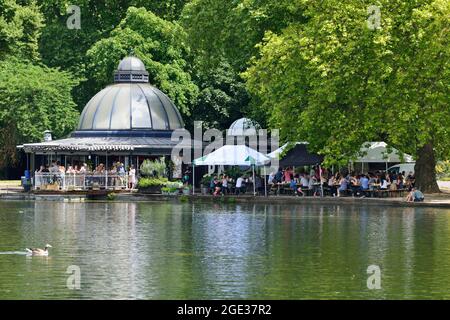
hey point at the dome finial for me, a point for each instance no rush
(131, 69)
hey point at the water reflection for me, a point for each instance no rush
(180, 250)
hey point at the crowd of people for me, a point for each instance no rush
(319, 181)
(339, 184)
(224, 184)
(117, 174)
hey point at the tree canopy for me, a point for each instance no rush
(159, 43)
(342, 83)
(20, 28)
(317, 70)
(33, 98)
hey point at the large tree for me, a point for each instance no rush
(20, 28)
(33, 98)
(66, 48)
(337, 83)
(223, 36)
(160, 44)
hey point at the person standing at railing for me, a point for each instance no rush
(121, 173)
(70, 177)
(132, 177)
(112, 176)
(82, 176)
(61, 178)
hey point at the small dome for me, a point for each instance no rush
(243, 127)
(131, 69)
(131, 64)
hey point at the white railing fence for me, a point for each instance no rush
(79, 181)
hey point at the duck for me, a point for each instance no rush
(38, 251)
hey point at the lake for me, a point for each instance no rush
(162, 250)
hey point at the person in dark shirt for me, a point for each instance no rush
(279, 175)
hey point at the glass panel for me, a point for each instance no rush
(120, 118)
(159, 118)
(89, 110)
(102, 115)
(173, 117)
(140, 115)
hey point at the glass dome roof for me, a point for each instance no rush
(243, 126)
(130, 105)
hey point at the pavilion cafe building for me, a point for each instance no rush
(125, 122)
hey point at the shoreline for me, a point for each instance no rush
(433, 201)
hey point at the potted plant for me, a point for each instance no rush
(156, 168)
(174, 187)
(151, 185)
(187, 190)
(165, 190)
(204, 184)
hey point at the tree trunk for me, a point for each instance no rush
(425, 170)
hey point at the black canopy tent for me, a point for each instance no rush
(299, 156)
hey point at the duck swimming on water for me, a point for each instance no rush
(39, 252)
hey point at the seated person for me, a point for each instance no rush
(343, 186)
(278, 176)
(415, 196)
(364, 181)
(239, 185)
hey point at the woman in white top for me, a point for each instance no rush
(384, 183)
(132, 177)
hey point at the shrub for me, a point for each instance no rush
(174, 184)
(231, 200)
(111, 196)
(156, 168)
(151, 182)
(206, 179)
(443, 170)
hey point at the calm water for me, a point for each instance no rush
(215, 251)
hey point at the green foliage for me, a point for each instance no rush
(66, 48)
(443, 170)
(223, 37)
(159, 43)
(230, 29)
(184, 198)
(222, 98)
(111, 196)
(33, 98)
(156, 168)
(174, 185)
(234, 172)
(231, 200)
(20, 28)
(335, 83)
(206, 179)
(151, 182)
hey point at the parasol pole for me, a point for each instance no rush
(265, 182)
(193, 178)
(321, 182)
